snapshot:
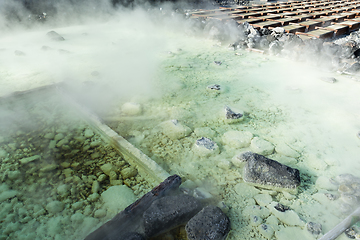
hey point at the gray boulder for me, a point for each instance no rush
(168, 213)
(209, 224)
(55, 36)
(264, 171)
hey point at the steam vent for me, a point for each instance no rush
(179, 120)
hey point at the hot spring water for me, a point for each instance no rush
(155, 87)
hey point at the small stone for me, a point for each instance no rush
(131, 109)
(95, 143)
(314, 228)
(107, 168)
(77, 218)
(8, 194)
(237, 139)
(100, 213)
(231, 116)
(215, 87)
(93, 197)
(204, 147)
(54, 207)
(117, 198)
(13, 175)
(55, 36)
(95, 187)
(50, 135)
(218, 63)
(128, 172)
(62, 142)
(174, 129)
(102, 178)
(263, 199)
(281, 207)
(88, 133)
(114, 182)
(77, 205)
(65, 164)
(331, 196)
(63, 190)
(210, 223)
(30, 159)
(49, 168)
(264, 171)
(261, 146)
(350, 232)
(224, 164)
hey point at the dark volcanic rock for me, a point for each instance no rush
(281, 208)
(133, 236)
(55, 36)
(314, 228)
(354, 68)
(129, 220)
(169, 212)
(229, 114)
(209, 224)
(206, 143)
(261, 170)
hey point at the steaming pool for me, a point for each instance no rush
(150, 85)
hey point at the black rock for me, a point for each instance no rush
(281, 208)
(354, 68)
(314, 228)
(331, 196)
(214, 87)
(133, 236)
(168, 213)
(357, 53)
(55, 36)
(350, 233)
(130, 219)
(210, 224)
(229, 114)
(206, 143)
(264, 171)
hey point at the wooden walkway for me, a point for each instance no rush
(309, 18)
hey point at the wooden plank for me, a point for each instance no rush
(266, 24)
(302, 17)
(353, 25)
(286, 21)
(339, 18)
(325, 21)
(268, 17)
(292, 28)
(321, 33)
(338, 29)
(310, 25)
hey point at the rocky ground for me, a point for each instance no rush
(55, 170)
